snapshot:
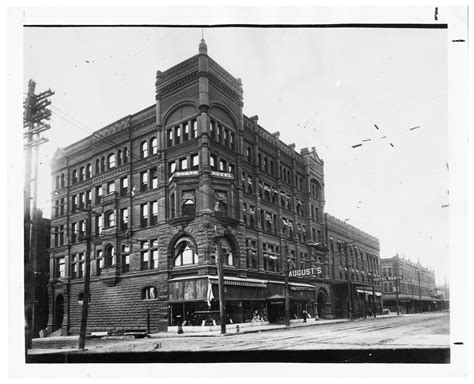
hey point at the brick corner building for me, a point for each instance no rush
(171, 184)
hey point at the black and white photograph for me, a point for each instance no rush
(239, 185)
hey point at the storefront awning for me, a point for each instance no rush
(228, 280)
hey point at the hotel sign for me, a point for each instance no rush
(313, 271)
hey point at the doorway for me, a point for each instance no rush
(59, 312)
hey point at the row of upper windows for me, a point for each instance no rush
(222, 134)
(270, 194)
(148, 148)
(352, 251)
(180, 133)
(268, 166)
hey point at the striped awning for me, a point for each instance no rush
(239, 282)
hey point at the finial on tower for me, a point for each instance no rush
(203, 47)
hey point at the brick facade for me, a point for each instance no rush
(168, 183)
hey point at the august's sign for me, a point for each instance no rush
(313, 271)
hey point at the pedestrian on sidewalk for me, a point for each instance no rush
(304, 315)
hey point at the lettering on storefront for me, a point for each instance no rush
(313, 271)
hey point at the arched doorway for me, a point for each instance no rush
(321, 300)
(59, 312)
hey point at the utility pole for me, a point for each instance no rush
(349, 288)
(374, 304)
(419, 288)
(220, 274)
(397, 282)
(87, 279)
(287, 283)
(34, 115)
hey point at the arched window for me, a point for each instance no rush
(111, 161)
(88, 171)
(110, 258)
(102, 164)
(226, 252)
(97, 166)
(259, 157)
(82, 173)
(249, 155)
(125, 155)
(74, 176)
(185, 252)
(316, 190)
(154, 145)
(149, 293)
(57, 181)
(63, 180)
(144, 149)
(109, 219)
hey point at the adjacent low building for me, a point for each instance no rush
(173, 187)
(415, 285)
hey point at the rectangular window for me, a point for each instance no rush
(177, 138)
(73, 232)
(144, 181)
(213, 130)
(111, 187)
(154, 212)
(56, 209)
(185, 131)
(99, 261)
(154, 253)
(124, 219)
(232, 141)
(171, 167)
(61, 207)
(99, 224)
(193, 129)
(74, 202)
(61, 267)
(144, 255)
(183, 164)
(194, 162)
(124, 186)
(213, 162)
(88, 198)
(222, 166)
(98, 194)
(169, 137)
(154, 177)
(125, 258)
(143, 215)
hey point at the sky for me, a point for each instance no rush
(331, 88)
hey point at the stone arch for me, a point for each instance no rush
(180, 111)
(176, 240)
(322, 299)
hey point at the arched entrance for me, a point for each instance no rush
(59, 312)
(321, 300)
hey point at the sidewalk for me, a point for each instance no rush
(70, 343)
